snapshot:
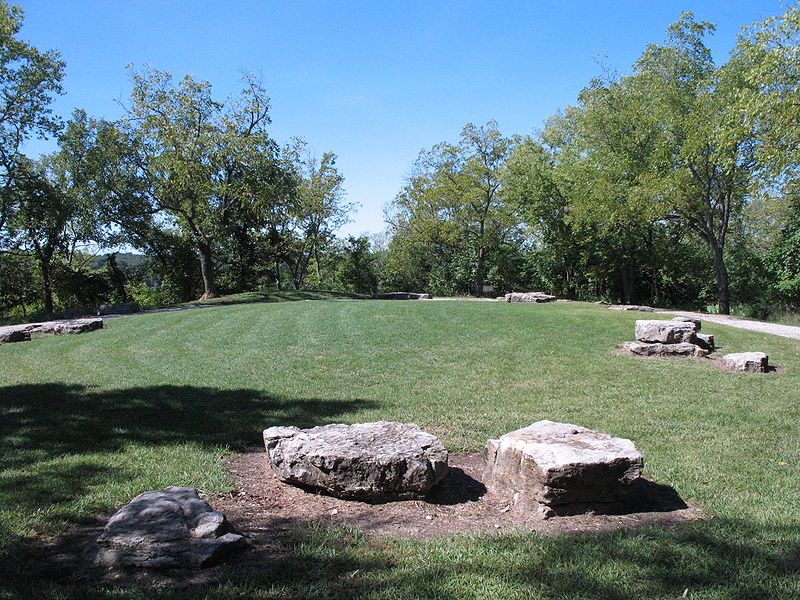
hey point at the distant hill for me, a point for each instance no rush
(127, 261)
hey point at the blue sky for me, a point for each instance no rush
(372, 81)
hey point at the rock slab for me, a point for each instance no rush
(561, 466)
(529, 297)
(665, 332)
(22, 333)
(658, 349)
(372, 462)
(750, 362)
(632, 307)
(172, 527)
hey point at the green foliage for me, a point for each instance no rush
(453, 206)
(29, 80)
(767, 58)
(356, 272)
(785, 260)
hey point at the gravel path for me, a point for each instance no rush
(787, 331)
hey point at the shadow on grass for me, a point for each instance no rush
(43, 421)
(728, 559)
(731, 559)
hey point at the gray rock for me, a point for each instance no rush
(658, 349)
(665, 332)
(122, 308)
(697, 322)
(632, 307)
(705, 341)
(560, 464)
(373, 462)
(172, 527)
(529, 297)
(22, 333)
(69, 326)
(14, 333)
(753, 362)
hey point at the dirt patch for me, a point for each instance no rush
(267, 510)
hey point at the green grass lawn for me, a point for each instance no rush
(90, 421)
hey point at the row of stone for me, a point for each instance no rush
(537, 297)
(544, 467)
(681, 337)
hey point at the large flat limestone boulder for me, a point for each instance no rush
(752, 362)
(631, 307)
(22, 333)
(529, 297)
(551, 465)
(665, 332)
(657, 349)
(172, 527)
(373, 462)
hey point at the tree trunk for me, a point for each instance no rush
(47, 284)
(207, 271)
(278, 274)
(627, 284)
(479, 271)
(117, 277)
(721, 271)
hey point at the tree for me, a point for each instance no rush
(666, 143)
(29, 80)
(50, 219)
(453, 199)
(767, 58)
(195, 159)
(317, 208)
(356, 272)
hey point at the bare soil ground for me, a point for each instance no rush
(265, 508)
(269, 512)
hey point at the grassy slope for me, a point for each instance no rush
(89, 421)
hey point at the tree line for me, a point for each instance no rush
(194, 183)
(673, 184)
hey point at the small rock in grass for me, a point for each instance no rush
(752, 362)
(172, 527)
(705, 341)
